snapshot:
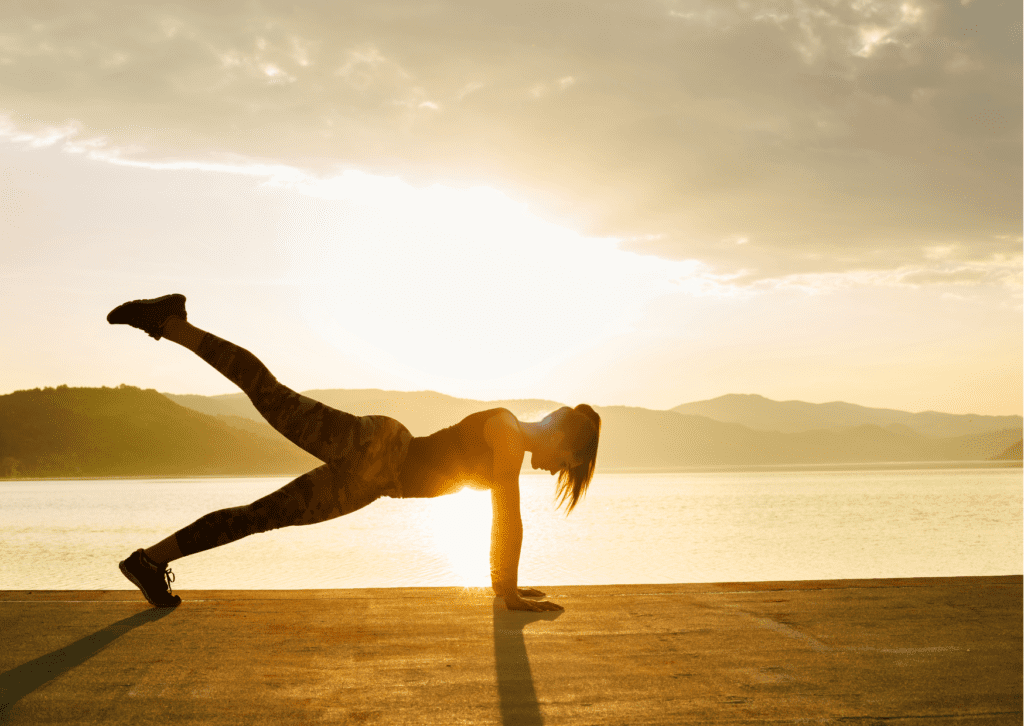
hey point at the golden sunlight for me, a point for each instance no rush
(446, 285)
(460, 530)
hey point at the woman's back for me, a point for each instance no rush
(448, 459)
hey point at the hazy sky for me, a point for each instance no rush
(642, 202)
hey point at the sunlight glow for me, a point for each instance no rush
(870, 38)
(460, 530)
(446, 285)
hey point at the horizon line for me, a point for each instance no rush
(545, 400)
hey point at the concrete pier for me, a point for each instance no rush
(909, 651)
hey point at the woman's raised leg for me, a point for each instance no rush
(325, 432)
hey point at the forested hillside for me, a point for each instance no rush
(1013, 453)
(126, 431)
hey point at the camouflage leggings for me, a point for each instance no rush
(362, 455)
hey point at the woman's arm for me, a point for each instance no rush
(502, 433)
(506, 539)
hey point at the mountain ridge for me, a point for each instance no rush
(127, 431)
(639, 437)
(758, 412)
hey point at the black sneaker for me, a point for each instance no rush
(153, 579)
(149, 315)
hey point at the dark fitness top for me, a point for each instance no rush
(447, 459)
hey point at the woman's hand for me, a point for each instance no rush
(529, 592)
(514, 602)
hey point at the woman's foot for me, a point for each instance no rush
(152, 578)
(149, 315)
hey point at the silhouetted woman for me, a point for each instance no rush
(366, 457)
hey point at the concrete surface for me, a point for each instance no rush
(913, 651)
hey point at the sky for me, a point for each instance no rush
(640, 202)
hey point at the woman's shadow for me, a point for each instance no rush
(20, 681)
(516, 694)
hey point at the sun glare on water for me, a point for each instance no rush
(460, 531)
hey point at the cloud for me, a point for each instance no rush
(833, 138)
(996, 273)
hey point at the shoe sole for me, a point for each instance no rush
(114, 315)
(131, 577)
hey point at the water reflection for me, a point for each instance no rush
(709, 528)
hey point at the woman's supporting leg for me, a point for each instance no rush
(164, 551)
(316, 496)
(326, 433)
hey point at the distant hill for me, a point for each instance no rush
(645, 438)
(637, 437)
(1013, 453)
(763, 414)
(126, 431)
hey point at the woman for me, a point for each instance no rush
(365, 458)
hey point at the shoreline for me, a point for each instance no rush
(853, 583)
(709, 469)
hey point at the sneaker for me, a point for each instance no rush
(153, 579)
(149, 315)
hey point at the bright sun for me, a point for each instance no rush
(460, 528)
(450, 285)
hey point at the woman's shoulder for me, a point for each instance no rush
(501, 431)
(491, 412)
(489, 418)
(501, 413)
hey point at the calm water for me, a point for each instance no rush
(632, 528)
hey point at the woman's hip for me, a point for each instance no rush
(363, 472)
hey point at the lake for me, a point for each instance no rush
(632, 528)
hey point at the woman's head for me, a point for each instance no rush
(578, 430)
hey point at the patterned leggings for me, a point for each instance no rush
(362, 455)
